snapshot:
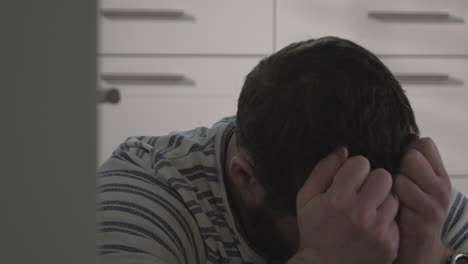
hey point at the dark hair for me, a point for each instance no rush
(301, 103)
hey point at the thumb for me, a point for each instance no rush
(321, 176)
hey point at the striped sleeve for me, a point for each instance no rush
(455, 228)
(142, 220)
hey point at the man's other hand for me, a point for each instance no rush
(423, 188)
(346, 213)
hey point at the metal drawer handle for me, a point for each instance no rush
(426, 78)
(143, 13)
(148, 78)
(407, 16)
(110, 95)
(155, 77)
(460, 176)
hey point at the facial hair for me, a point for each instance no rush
(268, 239)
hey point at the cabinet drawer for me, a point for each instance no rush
(177, 75)
(186, 27)
(157, 115)
(438, 92)
(384, 27)
(461, 184)
(160, 95)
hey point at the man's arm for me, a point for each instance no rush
(141, 220)
(429, 208)
(455, 228)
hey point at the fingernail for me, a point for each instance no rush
(342, 152)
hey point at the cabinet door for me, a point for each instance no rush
(438, 92)
(384, 27)
(461, 184)
(160, 95)
(187, 27)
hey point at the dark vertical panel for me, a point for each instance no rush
(48, 127)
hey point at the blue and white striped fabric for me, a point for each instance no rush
(163, 200)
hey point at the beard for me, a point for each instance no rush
(274, 234)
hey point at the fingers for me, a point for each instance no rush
(388, 210)
(350, 177)
(321, 176)
(376, 189)
(394, 237)
(430, 151)
(419, 170)
(411, 195)
(387, 213)
(412, 141)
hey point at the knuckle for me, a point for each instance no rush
(427, 143)
(336, 203)
(414, 153)
(410, 157)
(361, 218)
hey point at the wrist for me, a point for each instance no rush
(446, 254)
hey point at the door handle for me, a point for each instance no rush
(409, 16)
(143, 13)
(108, 95)
(145, 77)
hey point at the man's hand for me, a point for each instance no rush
(346, 213)
(423, 188)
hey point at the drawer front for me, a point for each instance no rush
(461, 184)
(186, 27)
(176, 75)
(438, 92)
(155, 101)
(157, 115)
(384, 27)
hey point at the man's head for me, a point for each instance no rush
(301, 103)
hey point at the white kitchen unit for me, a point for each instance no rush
(438, 92)
(460, 183)
(187, 27)
(178, 64)
(181, 63)
(160, 95)
(403, 27)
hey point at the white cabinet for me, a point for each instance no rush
(160, 95)
(438, 92)
(382, 26)
(181, 63)
(461, 184)
(177, 75)
(154, 115)
(186, 27)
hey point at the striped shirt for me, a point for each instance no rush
(163, 200)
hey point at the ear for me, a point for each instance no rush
(243, 176)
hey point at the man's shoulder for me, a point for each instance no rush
(176, 151)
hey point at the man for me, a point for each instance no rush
(321, 164)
